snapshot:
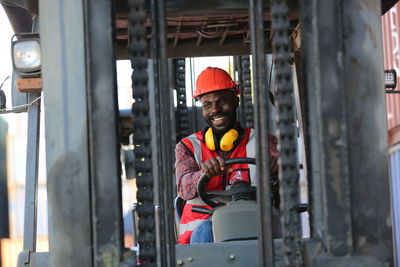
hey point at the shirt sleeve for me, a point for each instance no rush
(273, 152)
(273, 145)
(187, 172)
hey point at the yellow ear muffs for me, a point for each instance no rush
(209, 137)
(226, 142)
(228, 139)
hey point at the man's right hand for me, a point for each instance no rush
(214, 166)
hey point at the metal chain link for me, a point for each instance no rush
(247, 95)
(142, 134)
(247, 102)
(182, 116)
(288, 171)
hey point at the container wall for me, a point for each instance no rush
(391, 45)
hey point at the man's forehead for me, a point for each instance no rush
(217, 94)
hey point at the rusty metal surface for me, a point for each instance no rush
(327, 136)
(204, 35)
(348, 166)
(367, 126)
(29, 85)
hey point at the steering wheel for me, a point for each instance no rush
(238, 188)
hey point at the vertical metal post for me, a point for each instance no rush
(367, 125)
(347, 127)
(311, 73)
(327, 150)
(165, 134)
(103, 139)
(261, 125)
(328, 128)
(66, 122)
(31, 177)
(4, 224)
(169, 137)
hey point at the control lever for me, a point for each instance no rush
(202, 210)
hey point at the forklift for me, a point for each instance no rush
(328, 84)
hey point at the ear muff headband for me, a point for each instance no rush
(226, 143)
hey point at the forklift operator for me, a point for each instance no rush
(206, 152)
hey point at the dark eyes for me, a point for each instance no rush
(207, 105)
(220, 102)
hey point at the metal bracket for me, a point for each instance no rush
(24, 258)
(27, 258)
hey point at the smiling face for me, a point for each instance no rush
(219, 110)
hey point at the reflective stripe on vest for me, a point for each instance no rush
(251, 153)
(193, 143)
(196, 201)
(190, 226)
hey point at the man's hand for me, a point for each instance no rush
(214, 166)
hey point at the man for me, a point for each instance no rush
(206, 151)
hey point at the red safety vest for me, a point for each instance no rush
(246, 148)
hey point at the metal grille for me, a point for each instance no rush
(142, 136)
(288, 169)
(182, 116)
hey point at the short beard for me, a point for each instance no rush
(231, 124)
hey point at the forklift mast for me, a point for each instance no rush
(338, 61)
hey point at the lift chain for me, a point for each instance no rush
(182, 116)
(247, 95)
(142, 134)
(288, 169)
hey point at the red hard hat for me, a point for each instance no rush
(214, 79)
